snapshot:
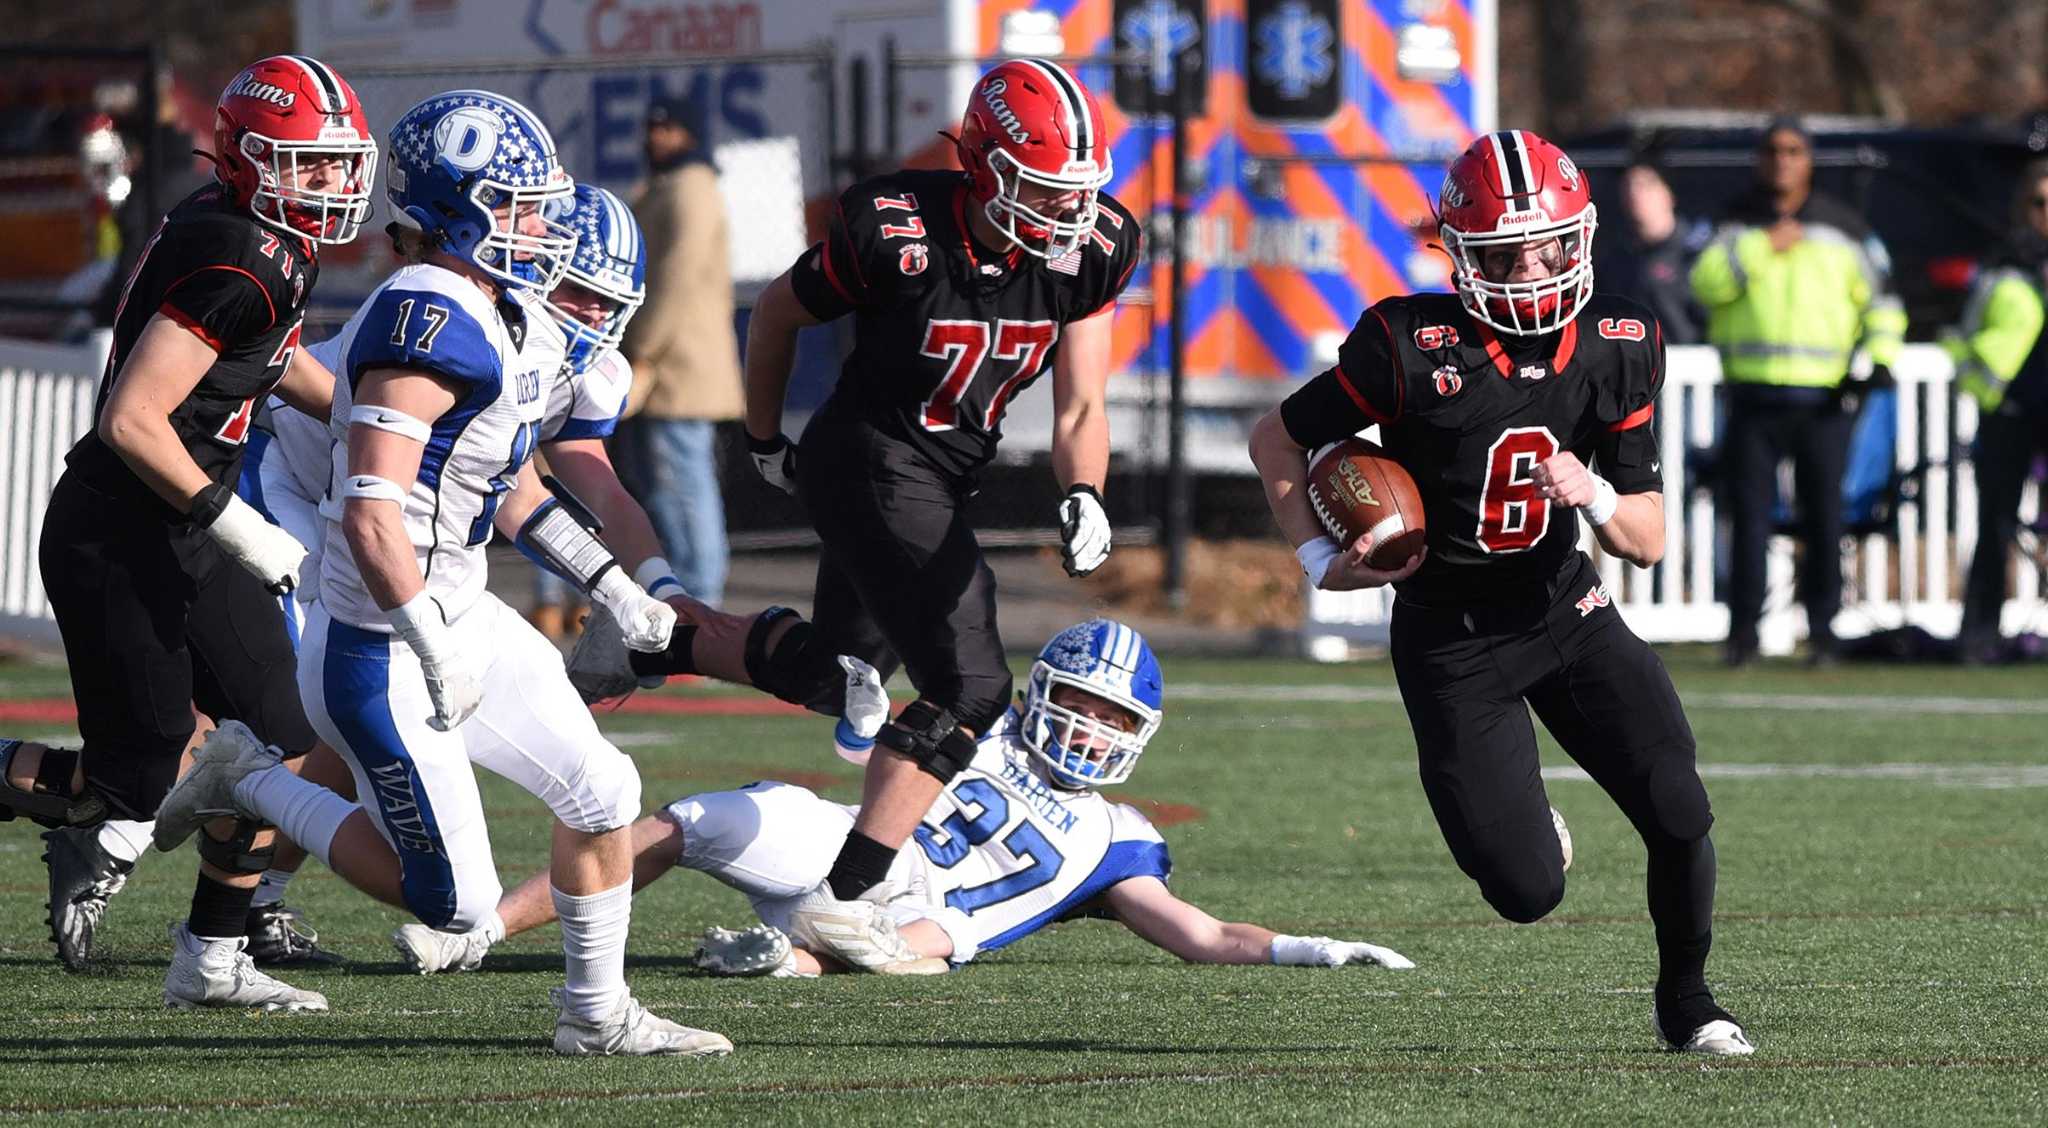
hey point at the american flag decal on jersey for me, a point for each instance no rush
(1069, 263)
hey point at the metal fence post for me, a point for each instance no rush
(1177, 485)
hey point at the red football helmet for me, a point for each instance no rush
(1513, 194)
(1029, 123)
(284, 114)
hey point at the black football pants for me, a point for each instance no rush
(900, 575)
(157, 619)
(2006, 444)
(1764, 425)
(1465, 676)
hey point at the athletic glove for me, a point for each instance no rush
(452, 685)
(645, 622)
(1321, 951)
(865, 711)
(775, 461)
(1084, 531)
(268, 552)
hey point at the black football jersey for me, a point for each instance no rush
(947, 332)
(1470, 413)
(236, 284)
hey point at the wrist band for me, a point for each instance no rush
(1315, 555)
(209, 503)
(1605, 501)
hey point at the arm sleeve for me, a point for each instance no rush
(1366, 387)
(1626, 454)
(830, 279)
(1998, 331)
(424, 331)
(222, 304)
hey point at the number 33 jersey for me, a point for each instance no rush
(1470, 414)
(502, 363)
(1008, 854)
(946, 331)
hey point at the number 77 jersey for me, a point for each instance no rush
(1470, 414)
(1007, 853)
(948, 331)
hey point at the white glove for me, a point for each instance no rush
(775, 460)
(867, 708)
(1321, 951)
(452, 685)
(646, 623)
(1084, 531)
(268, 552)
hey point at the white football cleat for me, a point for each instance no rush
(1719, 1037)
(599, 664)
(428, 950)
(1564, 837)
(632, 1030)
(230, 754)
(218, 973)
(860, 934)
(760, 950)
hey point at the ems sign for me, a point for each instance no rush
(1156, 32)
(1296, 59)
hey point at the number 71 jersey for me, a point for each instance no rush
(1009, 854)
(502, 359)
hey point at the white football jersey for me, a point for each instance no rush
(1009, 853)
(587, 404)
(505, 364)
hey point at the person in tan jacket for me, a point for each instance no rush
(684, 353)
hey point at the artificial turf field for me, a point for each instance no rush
(1883, 839)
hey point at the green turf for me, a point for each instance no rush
(1885, 938)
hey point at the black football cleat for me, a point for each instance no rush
(278, 938)
(83, 878)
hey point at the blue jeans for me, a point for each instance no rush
(674, 465)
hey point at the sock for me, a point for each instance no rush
(270, 890)
(219, 912)
(861, 865)
(301, 810)
(1682, 908)
(124, 839)
(594, 947)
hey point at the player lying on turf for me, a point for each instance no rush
(1020, 839)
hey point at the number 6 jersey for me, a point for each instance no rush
(946, 331)
(503, 359)
(1470, 413)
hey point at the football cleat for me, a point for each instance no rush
(1564, 837)
(860, 934)
(598, 665)
(230, 754)
(1712, 1031)
(83, 878)
(760, 950)
(279, 937)
(633, 1030)
(427, 950)
(219, 973)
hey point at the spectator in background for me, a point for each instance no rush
(1792, 283)
(2000, 364)
(683, 349)
(1649, 258)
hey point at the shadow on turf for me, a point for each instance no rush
(23, 1049)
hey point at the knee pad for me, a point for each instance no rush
(50, 800)
(796, 670)
(1523, 901)
(1520, 870)
(607, 797)
(238, 853)
(931, 738)
(984, 698)
(1678, 800)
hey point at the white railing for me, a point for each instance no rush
(46, 394)
(1912, 576)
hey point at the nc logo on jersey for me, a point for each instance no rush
(468, 137)
(1532, 372)
(1432, 337)
(1448, 382)
(1622, 329)
(914, 259)
(1594, 599)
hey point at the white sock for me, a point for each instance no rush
(270, 890)
(594, 946)
(124, 839)
(301, 810)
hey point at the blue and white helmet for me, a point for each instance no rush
(610, 261)
(460, 156)
(1110, 661)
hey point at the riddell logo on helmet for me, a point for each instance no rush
(248, 86)
(1524, 219)
(1005, 116)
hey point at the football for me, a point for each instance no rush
(1356, 489)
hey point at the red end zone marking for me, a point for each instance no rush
(55, 710)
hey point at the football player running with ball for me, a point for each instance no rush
(964, 288)
(161, 578)
(412, 670)
(1496, 400)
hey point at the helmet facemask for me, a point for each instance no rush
(1078, 750)
(1536, 306)
(324, 215)
(1032, 231)
(621, 301)
(515, 257)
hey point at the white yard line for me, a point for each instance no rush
(1994, 777)
(1789, 702)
